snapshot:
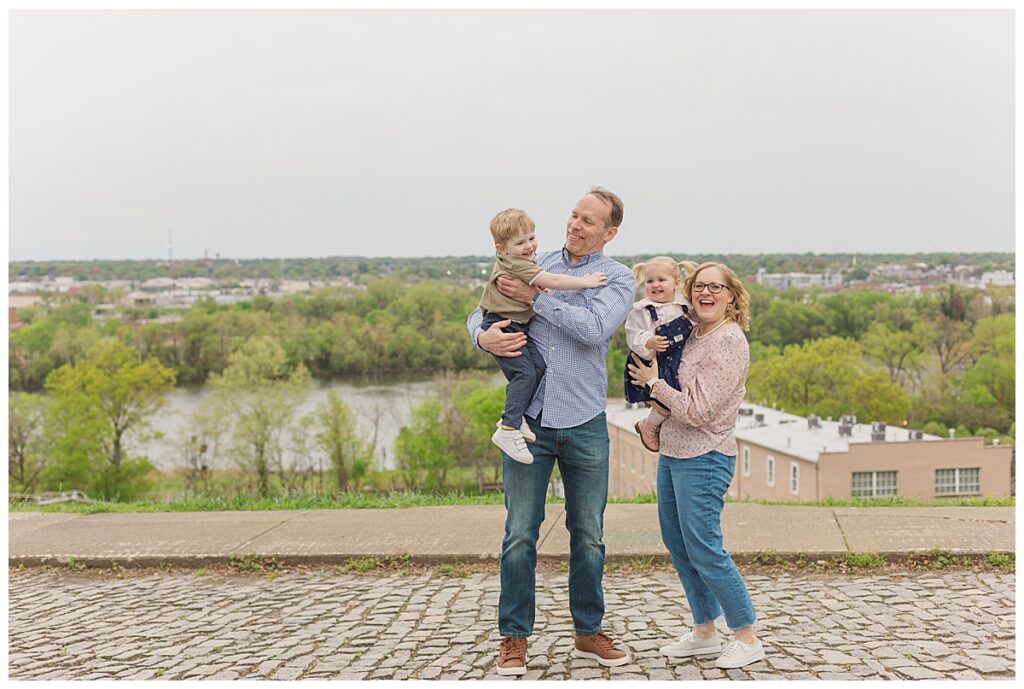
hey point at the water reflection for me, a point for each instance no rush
(381, 405)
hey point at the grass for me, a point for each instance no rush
(403, 499)
(635, 565)
(864, 560)
(294, 502)
(364, 565)
(255, 563)
(768, 561)
(1001, 561)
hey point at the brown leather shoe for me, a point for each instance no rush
(649, 435)
(600, 648)
(512, 656)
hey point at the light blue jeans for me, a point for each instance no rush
(691, 495)
(582, 456)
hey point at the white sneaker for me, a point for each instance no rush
(525, 430)
(513, 444)
(738, 654)
(692, 645)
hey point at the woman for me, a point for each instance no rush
(697, 462)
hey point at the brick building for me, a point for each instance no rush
(786, 457)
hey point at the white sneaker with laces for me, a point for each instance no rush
(525, 430)
(692, 645)
(737, 654)
(513, 444)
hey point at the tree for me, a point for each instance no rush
(479, 406)
(958, 303)
(950, 340)
(789, 322)
(828, 378)
(26, 458)
(259, 392)
(109, 396)
(897, 350)
(422, 448)
(338, 438)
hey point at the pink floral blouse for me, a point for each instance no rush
(713, 376)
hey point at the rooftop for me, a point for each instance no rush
(786, 433)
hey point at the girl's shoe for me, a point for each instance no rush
(649, 435)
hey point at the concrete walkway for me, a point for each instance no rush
(473, 533)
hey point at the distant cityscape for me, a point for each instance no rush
(162, 287)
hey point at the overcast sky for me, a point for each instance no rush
(342, 132)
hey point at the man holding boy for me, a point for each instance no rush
(573, 331)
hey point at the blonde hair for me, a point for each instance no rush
(640, 269)
(510, 223)
(739, 308)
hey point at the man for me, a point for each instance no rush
(572, 330)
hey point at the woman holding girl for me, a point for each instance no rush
(698, 459)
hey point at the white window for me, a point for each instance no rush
(771, 470)
(746, 461)
(874, 484)
(794, 478)
(958, 481)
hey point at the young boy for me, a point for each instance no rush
(515, 245)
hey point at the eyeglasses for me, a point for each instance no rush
(713, 287)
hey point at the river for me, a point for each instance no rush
(388, 400)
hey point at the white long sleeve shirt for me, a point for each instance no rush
(640, 327)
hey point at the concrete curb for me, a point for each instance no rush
(746, 558)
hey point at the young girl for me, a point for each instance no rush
(657, 327)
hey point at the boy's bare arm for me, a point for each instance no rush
(554, 281)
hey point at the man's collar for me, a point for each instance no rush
(586, 258)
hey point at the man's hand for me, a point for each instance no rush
(500, 343)
(657, 343)
(516, 290)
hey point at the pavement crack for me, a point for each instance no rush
(266, 531)
(554, 523)
(839, 526)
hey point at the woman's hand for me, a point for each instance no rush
(641, 372)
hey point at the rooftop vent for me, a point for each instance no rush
(877, 431)
(746, 411)
(813, 421)
(848, 419)
(759, 419)
(845, 429)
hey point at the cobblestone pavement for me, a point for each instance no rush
(329, 625)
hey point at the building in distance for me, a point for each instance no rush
(785, 457)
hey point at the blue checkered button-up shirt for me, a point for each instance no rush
(572, 330)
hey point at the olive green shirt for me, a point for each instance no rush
(493, 301)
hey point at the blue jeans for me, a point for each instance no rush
(582, 456)
(691, 495)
